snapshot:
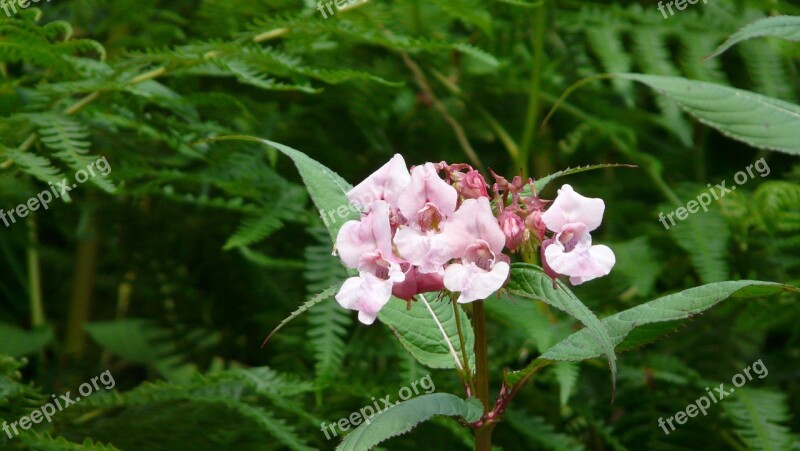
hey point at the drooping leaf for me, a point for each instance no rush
(404, 416)
(754, 119)
(530, 281)
(642, 324)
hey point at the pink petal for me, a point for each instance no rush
(473, 282)
(570, 206)
(473, 221)
(427, 187)
(369, 234)
(366, 294)
(384, 184)
(603, 256)
(583, 263)
(427, 250)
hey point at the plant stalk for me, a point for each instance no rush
(483, 436)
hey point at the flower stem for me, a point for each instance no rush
(483, 436)
(467, 370)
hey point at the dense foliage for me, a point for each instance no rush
(170, 262)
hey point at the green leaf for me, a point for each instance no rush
(759, 417)
(626, 328)
(18, 342)
(136, 340)
(784, 27)
(404, 416)
(754, 119)
(419, 332)
(326, 187)
(530, 281)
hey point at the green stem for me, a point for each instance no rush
(535, 92)
(34, 276)
(483, 436)
(467, 369)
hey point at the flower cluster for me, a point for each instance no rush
(421, 232)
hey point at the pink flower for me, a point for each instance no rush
(384, 184)
(366, 245)
(475, 237)
(428, 199)
(513, 228)
(426, 204)
(369, 234)
(571, 253)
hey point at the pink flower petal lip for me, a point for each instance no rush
(367, 294)
(369, 234)
(426, 187)
(429, 250)
(473, 282)
(384, 184)
(473, 221)
(583, 263)
(571, 207)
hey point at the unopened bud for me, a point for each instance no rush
(513, 228)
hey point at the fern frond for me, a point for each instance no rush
(704, 236)
(758, 417)
(328, 321)
(68, 138)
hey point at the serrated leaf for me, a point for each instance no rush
(677, 306)
(754, 119)
(530, 281)
(404, 416)
(784, 27)
(420, 335)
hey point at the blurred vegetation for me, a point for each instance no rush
(170, 271)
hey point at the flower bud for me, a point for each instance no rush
(471, 185)
(535, 224)
(513, 228)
